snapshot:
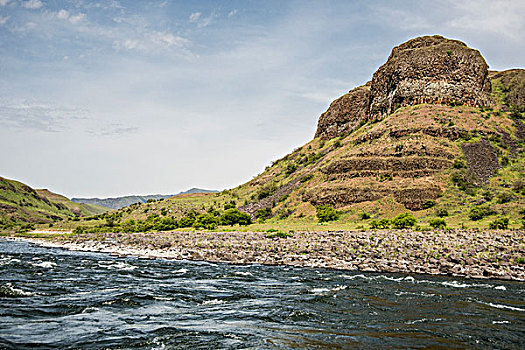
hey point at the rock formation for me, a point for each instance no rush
(429, 69)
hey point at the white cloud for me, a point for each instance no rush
(194, 17)
(500, 17)
(63, 14)
(4, 2)
(3, 20)
(232, 13)
(32, 4)
(76, 18)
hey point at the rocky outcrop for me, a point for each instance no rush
(345, 114)
(513, 82)
(429, 69)
(481, 158)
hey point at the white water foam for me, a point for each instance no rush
(46, 264)
(500, 322)
(213, 302)
(501, 306)
(181, 271)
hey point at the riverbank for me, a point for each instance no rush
(471, 253)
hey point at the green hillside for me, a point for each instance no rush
(21, 207)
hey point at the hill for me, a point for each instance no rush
(121, 202)
(434, 134)
(21, 205)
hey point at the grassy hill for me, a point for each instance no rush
(21, 207)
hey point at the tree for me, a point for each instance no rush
(235, 216)
(404, 220)
(438, 223)
(207, 221)
(326, 213)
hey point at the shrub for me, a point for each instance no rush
(263, 213)
(231, 205)
(278, 234)
(186, 221)
(381, 224)
(459, 164)
(290, 168)
(207, 221)
(429, 204)
(522, 213)
(164, 212)
(306, 178)
(234, 216)
(499, 224)
(438, 223)
(284, 213)
(326, 213)
(464, 181)
(478, 213)
(504, 197)
(441, 212)
(364, 216)
(404, 220)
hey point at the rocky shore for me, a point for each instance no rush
(470, 253)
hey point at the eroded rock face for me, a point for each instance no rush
(429, 69)
(344, 114)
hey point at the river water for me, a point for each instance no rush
(54, 298)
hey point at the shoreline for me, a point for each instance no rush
(460, 253)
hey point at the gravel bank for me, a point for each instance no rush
(471, 253)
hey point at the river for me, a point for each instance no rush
(54, 298)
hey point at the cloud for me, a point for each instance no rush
(32, 4)
(4, 2)
(26, 114)
(151, 41)
(194, 17)
(113, 129)
(3, 20)
(232, 13)
(65, 15)
(503, 18)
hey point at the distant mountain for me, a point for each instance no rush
(121, 202)
(20, 204)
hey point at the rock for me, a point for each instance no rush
(345, 114)
(429, 69)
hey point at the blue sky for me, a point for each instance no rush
(107, 98)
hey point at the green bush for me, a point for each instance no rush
(404, 220)
(326, 213)
(478, 213)
(499, 224)
(290, 168)
(429, 204)
(364, 216)
(381, 224)
(459, 164)
(207, 221)
(235, 216)
(186, 221)
(278, 234)
(263, 213)
(441, 212)
(438, 223)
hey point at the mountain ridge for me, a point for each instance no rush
(124, 201)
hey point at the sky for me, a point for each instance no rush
(112, 97)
